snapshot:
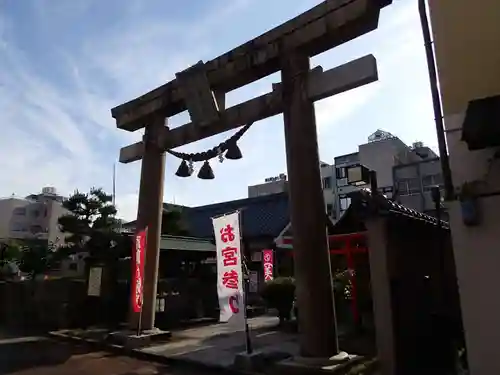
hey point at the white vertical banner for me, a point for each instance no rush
(229, 269)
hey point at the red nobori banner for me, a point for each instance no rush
(268, 264)
(138, 252)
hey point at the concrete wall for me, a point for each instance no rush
(27, 219)
(273, 187)
(267, 188)
(56, 210)
(7, 207)
(421, 200)
(467, 40)
(381, 156)
(328, 182)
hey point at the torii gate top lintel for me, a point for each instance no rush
(319, 29)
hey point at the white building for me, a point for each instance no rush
(279, 184)
(33, 217)
(381, 153)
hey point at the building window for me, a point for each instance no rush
(342, 182)
(21, 211)
(327, 183)
(432, 180)
(387, 191)
(35, 229)
(17, 227)
(408, 186)
(340, 172)
(345, 202)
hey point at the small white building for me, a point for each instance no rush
(279, 184)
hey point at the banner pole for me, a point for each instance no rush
(143, 256)
(246, 281)
(139, 323)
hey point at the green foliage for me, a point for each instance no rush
(91, 226)
(10, 254)
(172, 224)
(10, 251)
(36, 257)
(279, 294)
(342, 283)
(29, 256)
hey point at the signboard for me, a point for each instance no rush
(268, 264)
(229, 268)
(95, 280)
(138, 253)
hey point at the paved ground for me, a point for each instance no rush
(218, 344)
(214, 345)
(40, 356)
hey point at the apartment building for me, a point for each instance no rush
(381, 153)
(33, 217)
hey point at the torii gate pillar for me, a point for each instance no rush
(149, 214)
(312, 267)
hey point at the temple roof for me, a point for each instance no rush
(362, 205)
(261, 216)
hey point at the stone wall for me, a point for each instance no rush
(40, 304)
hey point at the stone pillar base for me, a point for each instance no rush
(130, 339)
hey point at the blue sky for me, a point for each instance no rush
(65, 64)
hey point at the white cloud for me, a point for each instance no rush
(56, 124)
(50, 126)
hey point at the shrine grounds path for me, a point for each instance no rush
(43, 356)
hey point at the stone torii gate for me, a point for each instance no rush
(201, 90)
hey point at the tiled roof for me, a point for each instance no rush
(261, 216)
(364, 203)
(287, 231)
(185, 243)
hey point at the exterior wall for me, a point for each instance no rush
(56, 210)
(274, 187)
(467, 36)
(328, 182)
(342, 189)
(381, 156)
(7, 208)
(267, 188)
(412, 183)
(32, 218)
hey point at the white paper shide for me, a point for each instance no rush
(229, 268)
